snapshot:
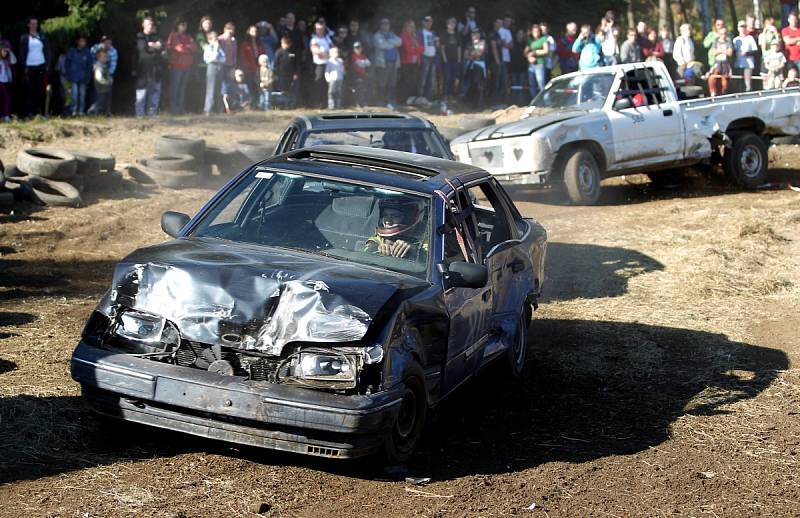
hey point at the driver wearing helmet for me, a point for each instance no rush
(399, 229)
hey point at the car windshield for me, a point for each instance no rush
(366, 225)
(588, 92)
(421, 141)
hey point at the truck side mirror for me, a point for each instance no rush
(467, 275)
(173, 222)
(623, 103)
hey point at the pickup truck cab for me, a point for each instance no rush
(626, 119)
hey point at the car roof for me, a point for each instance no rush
(389, 168)
(360, 120)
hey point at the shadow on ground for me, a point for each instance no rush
(593, 389)
(576, 271)
(22, 278)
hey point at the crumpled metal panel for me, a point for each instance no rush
(250, 299)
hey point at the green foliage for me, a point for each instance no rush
(82, 19)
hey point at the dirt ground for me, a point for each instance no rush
(662, 377)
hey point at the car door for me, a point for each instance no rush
(469, 308)
(651, 130)
(509, 269)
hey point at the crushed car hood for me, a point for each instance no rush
(253, 297)
(518, 128)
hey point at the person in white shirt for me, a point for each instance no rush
(34, 57)
(745, 47)
(320, 45)
(683, 49)
(609, 46)
(334, 75)
(427, 76)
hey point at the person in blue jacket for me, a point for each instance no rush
(78, 67)
(589, 47)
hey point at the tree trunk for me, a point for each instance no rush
(629, 6)
(734, 19)
(663, 7)
(757, 13)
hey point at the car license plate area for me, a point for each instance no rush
(208, 398)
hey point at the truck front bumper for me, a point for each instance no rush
(231, 408)
(534, 178)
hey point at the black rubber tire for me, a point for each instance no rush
(171, 163)
(582, 178)
(746, 161)
(2, 175)
(256, 150)
(170, 179)
(78, 181)
(518, 352)
(103, 182)
(92, 163)
(469, 123)
(406, 431)
(50, 163)
(178, 145)
(54, 193)
(228, 160)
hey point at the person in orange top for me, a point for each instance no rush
(181, 47)
(410, 59)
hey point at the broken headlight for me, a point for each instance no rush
(321, 368)
(151, 331)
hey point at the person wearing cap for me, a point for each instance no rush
(359, 74)
(387, 61)
(745, 49)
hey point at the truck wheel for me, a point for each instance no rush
(582, 178)
(518, 352)
(410, 421)
(745, 163)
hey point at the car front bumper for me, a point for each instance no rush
(230, 408)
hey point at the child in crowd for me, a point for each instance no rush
(238, 95)
(359, 68)
(774, 61)
(792, 78)
(7, 62)
(78, 67)
(286, 68)
(334, 75)
(721, 69)
(103, 82)
(266, 80)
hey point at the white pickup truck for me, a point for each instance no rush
(626, 119)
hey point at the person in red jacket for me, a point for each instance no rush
(654, 49)
(410, 59)
(249, 50)
(181, 47)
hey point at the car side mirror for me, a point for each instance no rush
(623, 103)
(466, 275)
(173, 222)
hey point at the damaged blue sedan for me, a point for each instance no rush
(322, 303)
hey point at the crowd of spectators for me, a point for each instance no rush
(459, 62)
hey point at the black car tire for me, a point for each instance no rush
(256, 150)
(2, 175)
(745, 162)
(78, 181)
(518, 352)
(470, 123)
(53, 193)
(6, 199)
(92, 163)
(54, 164)
(228, 160)
(103, 182)
(407, 429)
(178, 145)
(582, 178)
(171, 163)
(169, 179)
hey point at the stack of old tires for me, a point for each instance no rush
(57, 177)
(187, 162)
